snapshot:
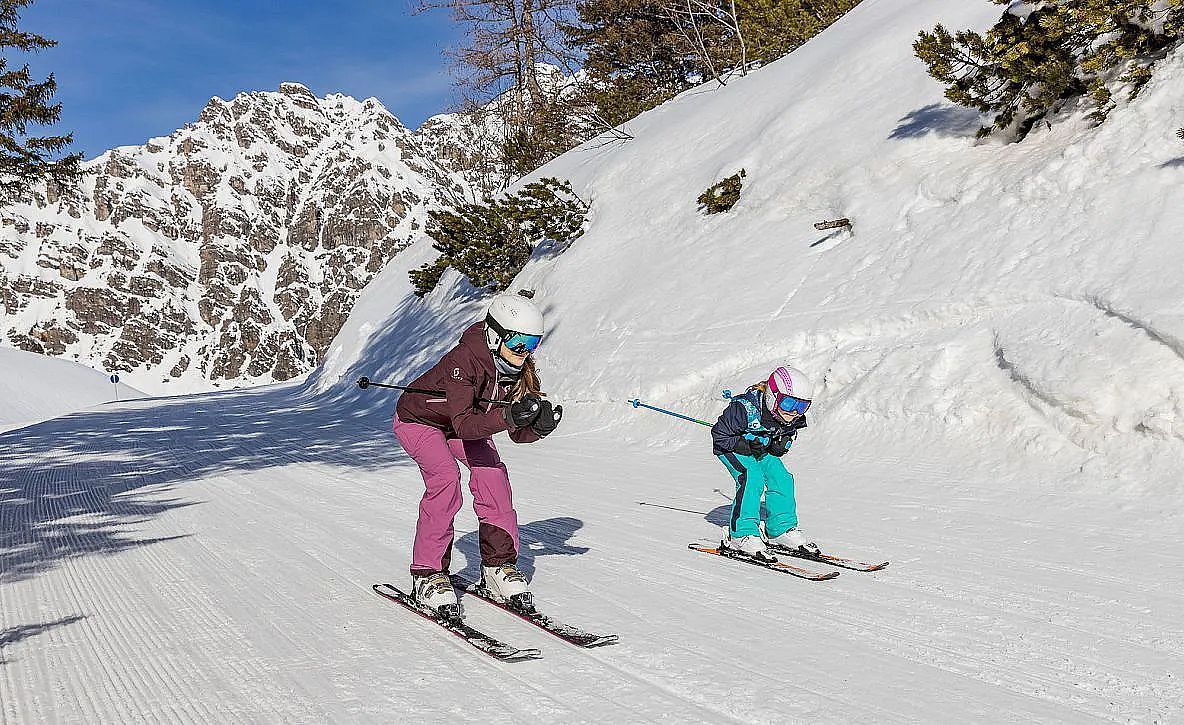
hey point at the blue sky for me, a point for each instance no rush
(128, 70)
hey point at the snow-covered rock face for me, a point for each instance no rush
(470, 144)
(230, 252)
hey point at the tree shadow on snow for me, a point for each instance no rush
(546, 537)
(941, 119)
(12, 635)
(72, 486)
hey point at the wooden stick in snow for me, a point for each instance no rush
(835, 224)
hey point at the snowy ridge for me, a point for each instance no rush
(469, 143)
(34, 388)
(1018, 296)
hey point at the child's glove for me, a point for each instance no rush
(756, 445)
(780, 445)
(548, 419)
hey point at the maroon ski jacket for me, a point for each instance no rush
(465, 373)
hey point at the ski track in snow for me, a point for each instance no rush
(210, 561)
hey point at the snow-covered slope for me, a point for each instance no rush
(34, 388)
(1017, 299)
(998, 352)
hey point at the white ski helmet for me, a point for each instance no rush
(512, 316)
(788, 391)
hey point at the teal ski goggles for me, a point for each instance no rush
(521, 343)
(790, 404)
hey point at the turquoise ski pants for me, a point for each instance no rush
(755, 477)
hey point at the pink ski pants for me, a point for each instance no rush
(489, 482)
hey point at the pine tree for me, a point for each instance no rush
(640, 53)
(24, 102)
(635, 57)
(1026, 67)
(490, 243)
(773, 28)
(502, 67)
(722, 195)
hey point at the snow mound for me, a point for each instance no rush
(994, 304)
(34, 388)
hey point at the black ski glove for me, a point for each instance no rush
(780, 445)
(522, 413)
(548, 419)
(753, 445)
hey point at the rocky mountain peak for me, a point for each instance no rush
(230, 251)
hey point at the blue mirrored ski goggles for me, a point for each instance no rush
(521, 343)
(790, 404)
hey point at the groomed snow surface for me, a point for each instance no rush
(999, 349)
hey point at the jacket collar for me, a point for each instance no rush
(473, 340)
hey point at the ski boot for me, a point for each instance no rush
(435, 592)
(794, 540)
(505, 583)
(751, 547)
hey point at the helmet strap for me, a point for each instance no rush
(501, 332)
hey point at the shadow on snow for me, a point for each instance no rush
(938, 118)
(12, 635)
(71, 487)
(546, 537)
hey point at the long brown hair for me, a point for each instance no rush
(528, 381)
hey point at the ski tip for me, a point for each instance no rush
(520, 655)
(605, 641)
(820, 576)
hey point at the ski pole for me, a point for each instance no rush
(638, 404)
(365, 382)
(672, 508)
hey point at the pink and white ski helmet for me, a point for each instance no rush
(786, 381)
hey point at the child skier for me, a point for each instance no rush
(494, 360)
(750, 437)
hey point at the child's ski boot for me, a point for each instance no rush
(794, 540)
(750, 546)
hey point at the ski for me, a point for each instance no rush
(493, 647)
(827, 559)
(774, 565)
(565, 632)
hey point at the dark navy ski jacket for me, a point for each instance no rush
(727, 434)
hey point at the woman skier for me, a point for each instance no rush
(750, 437)
(493, 361)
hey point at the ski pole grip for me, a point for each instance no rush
(636, 402)
(363, 382)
